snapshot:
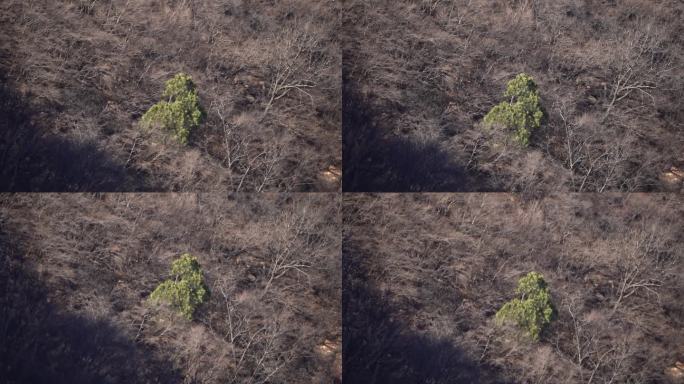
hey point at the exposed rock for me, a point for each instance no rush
(332, 174)
(676, 374)
(673, 178)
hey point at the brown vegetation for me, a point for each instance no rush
(424, 275)
(425, 73)
(78, 74)
(76, 271)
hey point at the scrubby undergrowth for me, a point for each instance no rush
(427, 72)
(77, 271)
(426, 274)
(83, 74)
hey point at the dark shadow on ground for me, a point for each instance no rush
(378, 348)
(35, 160)
(377, 162)
(41, 344)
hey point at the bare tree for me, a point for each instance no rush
(255, 350)
(638, 69)
(289, 255)
(250, 167)
(637, 271)
(295, 65)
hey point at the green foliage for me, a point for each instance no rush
(180, 112)
(186, 291)
(523, 113)
(533, 311)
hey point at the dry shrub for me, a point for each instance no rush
(88, 70)
(435, 68)
(435, 268)
(271, 263)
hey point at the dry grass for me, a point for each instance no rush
(425, 274)
(609, 75)
(85, 71)
(94, 259)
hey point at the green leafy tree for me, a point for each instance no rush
(523, 112)
(533, 310)
(180, 112)
(186, 291)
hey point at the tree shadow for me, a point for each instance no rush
(378, 348)
(41, 344)
(377, 162)
(34, 160)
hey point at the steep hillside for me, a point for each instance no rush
(424, 73)
(78, 75)
(76, 272)
(425, 274)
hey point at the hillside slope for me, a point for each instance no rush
(78, 74)
(424, 73)
(425, 274)
(76, 271)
